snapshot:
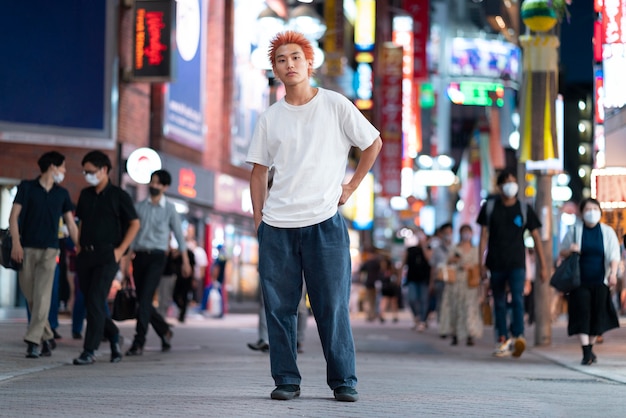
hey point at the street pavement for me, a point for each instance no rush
(211, 373)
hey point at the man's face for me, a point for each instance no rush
(58, 168)
(509, 188)
(154, 183)
(291, 66)
(93, 175)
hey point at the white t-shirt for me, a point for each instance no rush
(308, 146)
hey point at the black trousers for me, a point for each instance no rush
(96, 271)
(147, 270)
(182, 288)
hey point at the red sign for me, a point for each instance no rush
(187, 182)
(613, 12)
(599, 98)
(418, 9)
(152, 48)
(391, 120)
(597, 41)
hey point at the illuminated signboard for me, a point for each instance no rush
(608, 186)
(365, 25)
(599, 96)
(490, 58)
(153, 42)
(613, 68)
(476, 93)
(364, 37)
(613, 14)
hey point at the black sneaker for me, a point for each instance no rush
(346, 394)
(260, 345)
(32, 351)
(134, 350)
(84, 359)
(166, 341)
(46, 348)
(285, 392)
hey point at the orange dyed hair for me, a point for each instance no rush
(290, 37)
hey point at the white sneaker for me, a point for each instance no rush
(421, 327)
(503, 349)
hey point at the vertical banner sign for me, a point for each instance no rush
(185, 98)
(333, 41)
(391, 122)
(418, 10)
(599, 97)
(364, 37)
(153, 43)
(402, 35)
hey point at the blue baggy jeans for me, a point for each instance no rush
(322, 253)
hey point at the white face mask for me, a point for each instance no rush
(92, 179)
(592, 217)
(510, 189)
(58, 177)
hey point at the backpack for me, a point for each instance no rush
(491, 202)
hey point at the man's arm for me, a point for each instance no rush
(539, 252)
(258, 192)
(368, 157)
(133, 228)
(176, 228)
(71, 227)
(17, 253)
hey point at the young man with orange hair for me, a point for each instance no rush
(306, 137)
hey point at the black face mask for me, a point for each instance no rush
(154, 191)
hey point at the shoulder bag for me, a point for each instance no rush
(567, 275)
(125, 302)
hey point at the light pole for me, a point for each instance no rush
(538, 133)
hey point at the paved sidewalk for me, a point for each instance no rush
(211, 373)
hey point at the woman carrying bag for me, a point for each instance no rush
(590, 309)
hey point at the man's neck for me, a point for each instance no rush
(155, 200)
(100, 187)
(300, 94)
(509, 201)
(47, 181)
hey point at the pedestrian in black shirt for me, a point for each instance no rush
(108, 225)
(503, 222)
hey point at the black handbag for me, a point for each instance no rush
(567, 275)
(6, 246)
(125, 302)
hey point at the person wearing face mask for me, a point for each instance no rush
(590, 310)
(108, 225)
(417, 279)
(34, 226)
(503, 220)
(460, 302)
(441, 245)
(158, 218)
